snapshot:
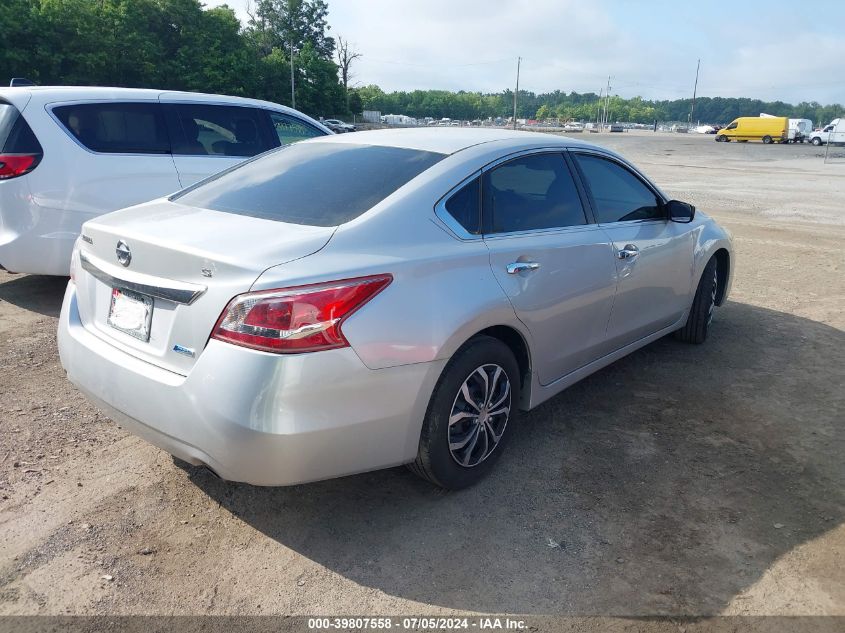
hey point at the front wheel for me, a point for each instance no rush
(470, 416)
(701, 313)
(816, 141)
(722, 139)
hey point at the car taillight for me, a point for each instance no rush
(298, 319)
(14, 165)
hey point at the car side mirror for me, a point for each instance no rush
(682, 212)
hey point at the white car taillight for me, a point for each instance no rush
(298, 319)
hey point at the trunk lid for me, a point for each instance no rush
(190, 261)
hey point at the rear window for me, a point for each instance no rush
(320, 184)
(16, 136)
(117, 128)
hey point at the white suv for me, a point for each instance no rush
(68, 154)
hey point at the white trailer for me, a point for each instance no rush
(372, 116)
(800, 130)
(398, 119)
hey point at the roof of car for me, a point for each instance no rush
(447, 140)
(49, 94)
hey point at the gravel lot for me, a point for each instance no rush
(681, 480)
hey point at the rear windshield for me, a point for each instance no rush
(16, 137)
(320, 184)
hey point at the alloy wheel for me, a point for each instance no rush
(713, 294)
(479, 415)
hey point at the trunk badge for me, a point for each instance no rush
(185, 351)
(206, 272)
(124, 255)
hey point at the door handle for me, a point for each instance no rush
(518, 267)
(629, 252)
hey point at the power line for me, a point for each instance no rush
(418, 65)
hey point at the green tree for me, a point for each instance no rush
(291, 23)
(281, 28)
(356, 104)
(20, 26)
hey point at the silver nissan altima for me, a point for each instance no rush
(356, 302)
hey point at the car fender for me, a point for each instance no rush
(710, 237)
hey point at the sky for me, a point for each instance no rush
(750, 48)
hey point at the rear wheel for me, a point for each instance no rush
(470, 416)
(701, 313)
(767, 139)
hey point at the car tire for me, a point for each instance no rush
(701, 313)
(767, 139)
(448, 456)
(721, 138)
(816, 141)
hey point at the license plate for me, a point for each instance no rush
(131, 312)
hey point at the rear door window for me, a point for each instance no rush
(531, 193)
(289, 129)
(319, 184)
(116, 127)
(217, 130)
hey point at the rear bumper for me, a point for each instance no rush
(255, 417)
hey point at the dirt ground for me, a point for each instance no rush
(682, 480)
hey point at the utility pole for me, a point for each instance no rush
(598, 106)
(606, 104)
(694, 91)
(516, 92)
(292, 85)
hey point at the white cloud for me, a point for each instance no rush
(569, 45)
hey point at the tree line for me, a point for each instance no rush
(180, 45)
(582, 106)
(175, 44)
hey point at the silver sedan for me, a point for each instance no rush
(278, 329)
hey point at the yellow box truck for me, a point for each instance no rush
(770, 129)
